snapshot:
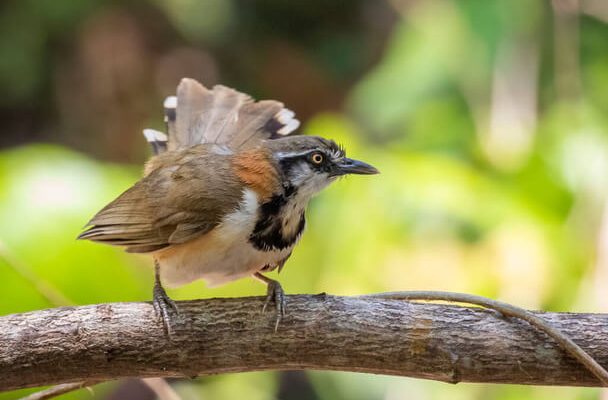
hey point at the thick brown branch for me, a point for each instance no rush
(442, 342)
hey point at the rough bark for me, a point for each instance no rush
(432, 341)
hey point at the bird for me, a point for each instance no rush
(224, 194)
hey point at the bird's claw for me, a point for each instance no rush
(275, 293)
(164, 307)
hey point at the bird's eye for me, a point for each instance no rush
(317, 158)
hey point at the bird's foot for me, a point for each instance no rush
(164, 307)
(275, 293)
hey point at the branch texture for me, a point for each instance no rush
(386, 336)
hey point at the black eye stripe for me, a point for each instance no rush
(288, 162)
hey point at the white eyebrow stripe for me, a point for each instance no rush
(334, 154)
(285, 155)
(289, 154)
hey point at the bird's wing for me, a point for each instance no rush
(171, 205)
(223, 116)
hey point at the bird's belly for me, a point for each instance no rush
(215, 260)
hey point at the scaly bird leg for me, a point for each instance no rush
(274, 293)
(164, 307)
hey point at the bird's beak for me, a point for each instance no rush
(350, 166)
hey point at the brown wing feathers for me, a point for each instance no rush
(127, 221)
(185, 196)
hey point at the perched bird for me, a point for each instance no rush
(225, 194)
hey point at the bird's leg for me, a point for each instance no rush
(164, 307)
(274, 293)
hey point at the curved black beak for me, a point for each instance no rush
(350, 166)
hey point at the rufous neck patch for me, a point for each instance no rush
(256, 170)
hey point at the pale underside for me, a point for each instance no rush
(222, 255)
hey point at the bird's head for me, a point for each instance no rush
(310, 163)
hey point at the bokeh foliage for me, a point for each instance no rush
(487, 119)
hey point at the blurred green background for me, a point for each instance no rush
(488, 120)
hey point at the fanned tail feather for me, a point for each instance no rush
(157, 140)
(224, 116)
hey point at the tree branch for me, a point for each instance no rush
(364, 334)
(507, 310)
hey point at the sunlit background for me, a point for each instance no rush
(488, 120)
